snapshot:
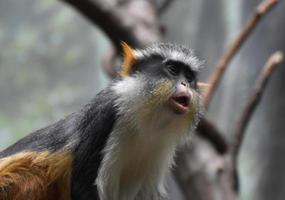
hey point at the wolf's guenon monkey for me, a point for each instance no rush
(121, 145)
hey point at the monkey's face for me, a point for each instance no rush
(170, 83)
(161, 87)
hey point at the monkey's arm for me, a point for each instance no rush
(88, 154)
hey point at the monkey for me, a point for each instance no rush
(121, 145)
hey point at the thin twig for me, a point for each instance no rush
(254, 99)
(263, 8)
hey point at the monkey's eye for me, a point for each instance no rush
(172, 70)
(190, 76)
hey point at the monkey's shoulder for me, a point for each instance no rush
(94, 118)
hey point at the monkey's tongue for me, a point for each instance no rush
(180, 104)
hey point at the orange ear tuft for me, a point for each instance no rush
(128, 59)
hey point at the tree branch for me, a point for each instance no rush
(122, 20)
(104, 17)
(208, 131)
(254, 99)
(263, 8)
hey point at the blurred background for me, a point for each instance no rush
(50, 65)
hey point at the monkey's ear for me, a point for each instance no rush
(129, 59)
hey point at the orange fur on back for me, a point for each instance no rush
(35, 176)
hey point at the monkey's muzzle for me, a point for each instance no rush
(180, 102)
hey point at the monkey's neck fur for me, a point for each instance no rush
(141, 147)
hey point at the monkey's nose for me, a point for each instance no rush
(183, 83)
(182, 90)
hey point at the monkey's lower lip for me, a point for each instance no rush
(180, 104)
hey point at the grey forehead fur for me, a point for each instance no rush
(171, 51)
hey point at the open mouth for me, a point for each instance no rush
(180, 104)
